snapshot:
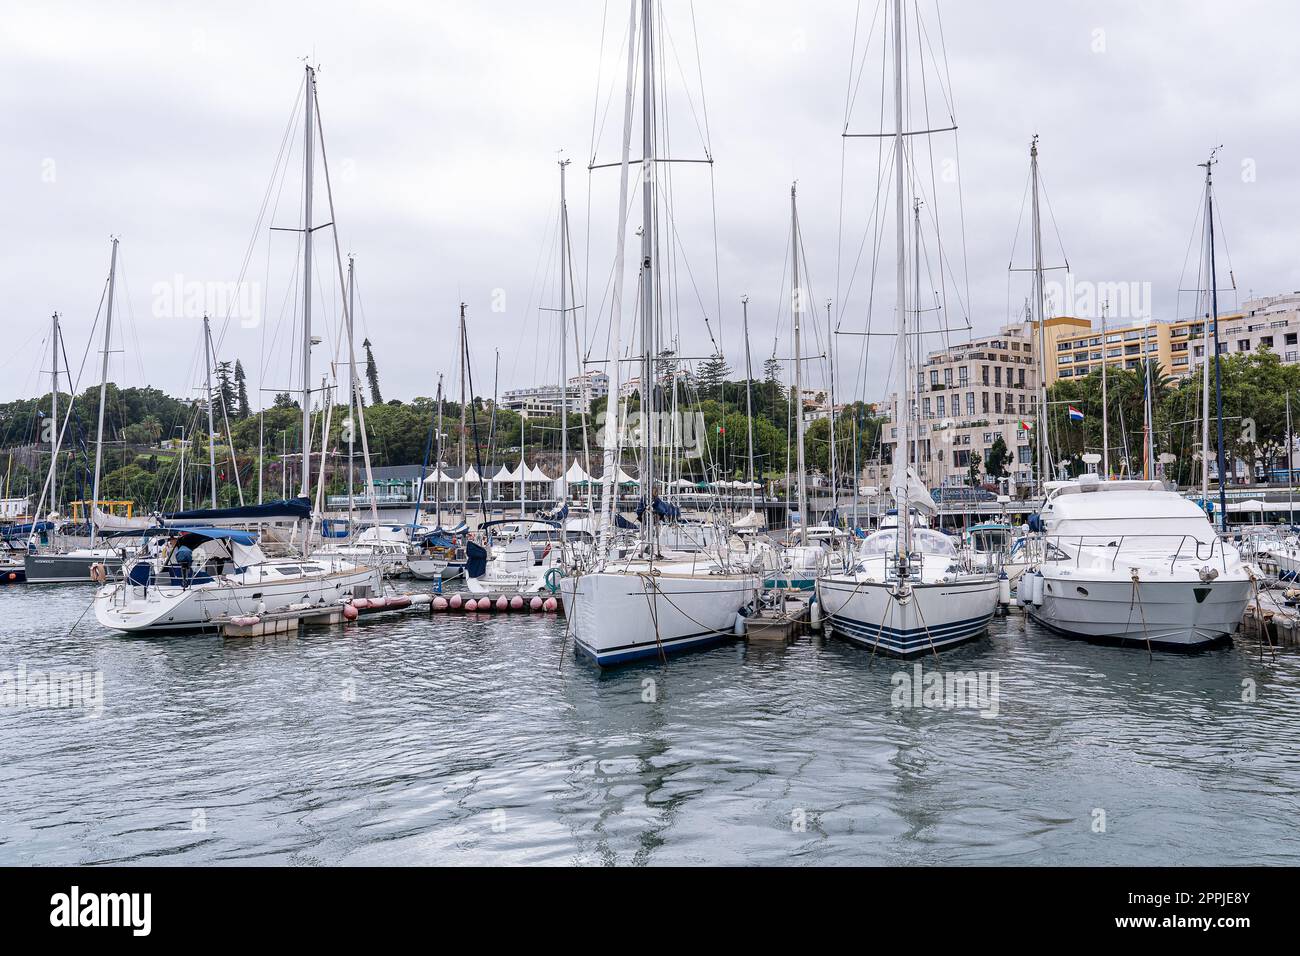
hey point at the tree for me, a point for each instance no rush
(713, 372)
(223, 396)
(372, 374)
(241, 391)
(973, 472)
(995, 466)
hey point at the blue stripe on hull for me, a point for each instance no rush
(901, 643)
(639, 652)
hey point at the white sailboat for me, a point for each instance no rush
(908, 591)
(652, 603)
(208, 575)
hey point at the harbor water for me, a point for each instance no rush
(447, 739)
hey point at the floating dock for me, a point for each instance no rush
(782, 620)
(290, 619)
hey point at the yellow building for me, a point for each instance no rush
(1178, 346)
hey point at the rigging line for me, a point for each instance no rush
(1052, 215)
(266, 196)
(956, 145)
(854, 84)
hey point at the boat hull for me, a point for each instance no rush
(66, 568)
(135, 609)
(617, 617)
(1180, 615)
(921, 619)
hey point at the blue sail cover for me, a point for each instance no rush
(662, 509)
(298, 509)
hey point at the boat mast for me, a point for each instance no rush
(103, 393)
(212, 446)
(749, 405)
(830, 359)
(352, 397)
(612, 445)
(648, 160)
(1214, 321)
(464, 500)
(1290, 447)
(437, 465)
(796, 312)
(54, 413)
(904, 540)
(1044, 444)
(564, 356)
(1105, 408)
(307, 170)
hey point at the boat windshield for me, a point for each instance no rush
(923, 539)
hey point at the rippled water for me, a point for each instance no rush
(417, 739)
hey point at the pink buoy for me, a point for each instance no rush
(397, 603)
(551, 604)
(471, 605)
(535, 604)
(456, 602)
(439, 603)
(361, 603)
(516, 602)
(350, 613)
(502, 603)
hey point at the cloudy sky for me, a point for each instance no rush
(162, 124)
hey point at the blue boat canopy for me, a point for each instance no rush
(191, 536)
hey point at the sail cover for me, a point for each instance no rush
(109, 522)
(294, 508)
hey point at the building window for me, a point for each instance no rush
(997, 403)
(985, 402)
(934, 377)
(925, 405)
(1266, 341)
(947, 376)
(940, 406)
(1023, 454)
(963, 375)
(1243, 345)
(970, 403)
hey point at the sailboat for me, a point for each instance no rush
(206, 575)
(78, 564)
(648, 603)
(908, 591)
(1132, 563)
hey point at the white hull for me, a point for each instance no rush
(903, 622)
(1170, 614)
(133, 608)
(621, 616)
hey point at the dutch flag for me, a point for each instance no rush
(1075, 414)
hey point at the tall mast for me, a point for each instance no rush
(1044, 449)
(564, 356)
(830, 360)
(648, 160)
(352, 396)
(212, 443)
(1213, 325)
(796, 312)
(464, 500)
(1105, 408)
(308, 166)
(437, 465)
(1290, 448)
(54, 413)
(103, 392)
(904, 353)
(749, 406)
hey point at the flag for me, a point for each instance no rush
(1075, 414)
(721, 430)
(1026, 426)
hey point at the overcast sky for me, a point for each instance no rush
(161, 123)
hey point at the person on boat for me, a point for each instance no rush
(185, 558)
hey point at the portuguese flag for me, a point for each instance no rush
(1026, 426)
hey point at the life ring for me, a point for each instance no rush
(98, 573)
(552, 579)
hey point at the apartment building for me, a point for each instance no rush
(970, 395)
(545, 400)
(1271, 322)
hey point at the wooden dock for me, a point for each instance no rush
(1274, 617)
(780, 621)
